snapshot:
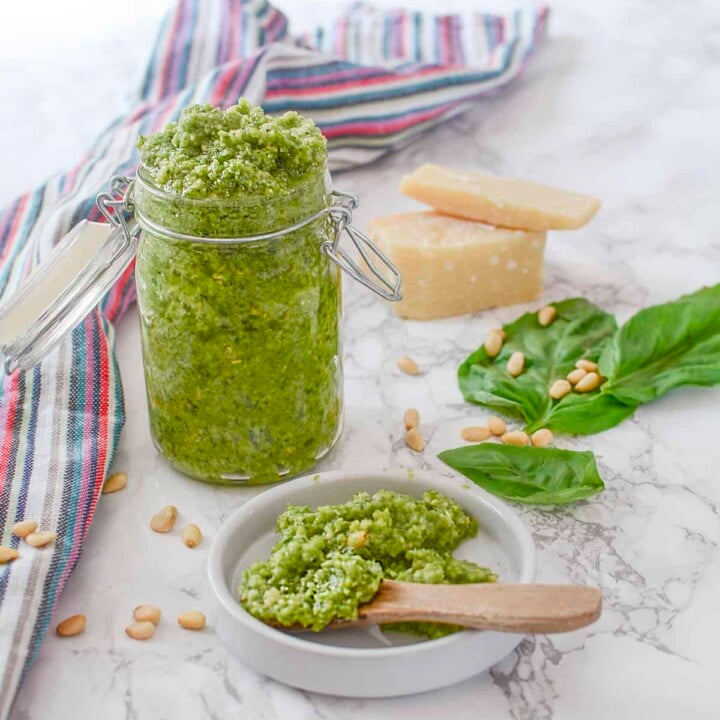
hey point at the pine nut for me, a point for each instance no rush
(411, 418)
(142, 630)
(41, 538)
(164, 521)
(493, 343)
(147, 613)
(74, 625)
(588, 365)
(475, 434)
(357, 540)
(559, 389)
(500, 331)
(546, 315)
(516, 363)
(23, 528)
(117, 481)
(590, 382)
(414, 440)
(192, 620)
(576, 376)
(408, 365)
(191, 535)
(496, 425)
(515, 437)
(541, 438)
(8, 554)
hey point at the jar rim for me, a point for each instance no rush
(217, 200)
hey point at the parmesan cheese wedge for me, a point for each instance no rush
(452, 266)
(498, 201)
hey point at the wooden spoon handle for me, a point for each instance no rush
(519, 608)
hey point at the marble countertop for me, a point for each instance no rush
(621, 102)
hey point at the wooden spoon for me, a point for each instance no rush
(521, 608)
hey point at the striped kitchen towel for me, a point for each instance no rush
(371, 79)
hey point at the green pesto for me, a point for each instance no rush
(330, 560)
(240, 340)
(210, 152)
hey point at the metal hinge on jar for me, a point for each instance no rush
(387, 283)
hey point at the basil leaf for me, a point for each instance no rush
(579, 330)
(584, 414)
(663, 347)
(536, 476)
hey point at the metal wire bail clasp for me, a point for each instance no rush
(385, 278)
(116, 205)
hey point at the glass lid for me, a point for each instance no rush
(69, 283)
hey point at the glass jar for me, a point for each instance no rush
(241, 340)
(240, 317)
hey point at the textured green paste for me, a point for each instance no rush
(240, 340)
(332, 559)
(212, 152)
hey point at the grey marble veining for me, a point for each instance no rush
(623, 102)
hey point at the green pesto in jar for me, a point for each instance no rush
(330, 560)
(231, 153)
(240, 340)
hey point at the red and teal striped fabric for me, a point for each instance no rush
(372, 80)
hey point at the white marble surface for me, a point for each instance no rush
(622, 102)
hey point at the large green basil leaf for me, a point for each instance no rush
(579, 330)
(537, 476)
(584, 414)
(663, 347)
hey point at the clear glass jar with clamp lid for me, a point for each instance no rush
(240, 312)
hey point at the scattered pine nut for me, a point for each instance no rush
(576, 376)
(23, 528)
(117, 481)
(496, 425)
(494, 343)
(191, 535)
(475, 434)
(69, 627)
(8, 554)
(546, 315)
(515, 437)
(192, 620)
(414, 440)
(408, 365)
(500, 331)
(40, 538)
(357, 540)
(588, 365)
(142, 630)
(590, 382)
(147, 613)
(516, 363)
(411, 418)
(559, 389)
(541, 438)
(164, 521)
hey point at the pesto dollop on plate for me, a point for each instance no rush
(332, 559)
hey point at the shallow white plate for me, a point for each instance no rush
(367, 662)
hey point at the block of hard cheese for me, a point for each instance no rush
(452, 266)
(498, 201)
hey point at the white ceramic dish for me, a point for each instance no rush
(362, 663)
